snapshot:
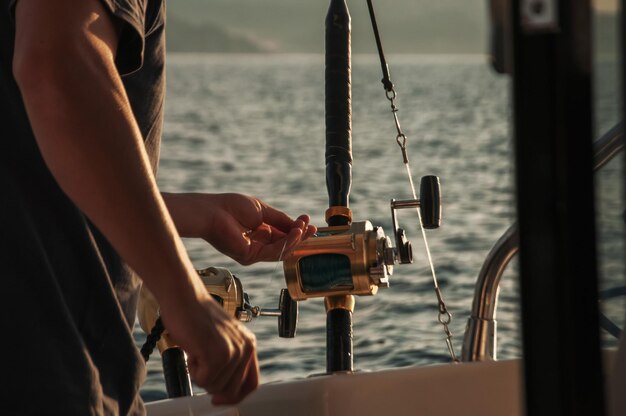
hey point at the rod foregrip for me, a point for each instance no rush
(339, 340)
(177, 381)
(338, 105)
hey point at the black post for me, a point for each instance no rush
(555, 201)
(338, 171)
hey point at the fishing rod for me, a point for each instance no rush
(353, 258)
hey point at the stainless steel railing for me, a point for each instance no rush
(480, 340)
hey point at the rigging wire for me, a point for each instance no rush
(444, 317)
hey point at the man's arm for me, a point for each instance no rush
(84, 126)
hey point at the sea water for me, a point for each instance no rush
(254, 124)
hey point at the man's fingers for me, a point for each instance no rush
(260, 251)
(251, 380)
(277, 250)
(310, 230)
(276, 218)
(266, 234)
(243, 381)
(229, 380)
(301, 223)
(203, 374)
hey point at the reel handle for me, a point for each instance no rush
(429, 205)
(288, 319)
(287, 313)
(430, 202)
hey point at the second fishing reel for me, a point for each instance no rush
(227, 290)
(358, 258)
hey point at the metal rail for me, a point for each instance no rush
(480, 339)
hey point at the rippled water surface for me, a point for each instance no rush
(255, 124)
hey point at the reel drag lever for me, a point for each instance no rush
(287, 313)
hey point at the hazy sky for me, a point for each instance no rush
(407, 26)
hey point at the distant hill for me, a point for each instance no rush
(184, 36)
(406, 26)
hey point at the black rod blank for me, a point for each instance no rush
(338, 108)
(338, 163)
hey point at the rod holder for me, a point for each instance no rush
(177, 380)
(339, 356)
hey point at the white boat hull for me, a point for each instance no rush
(479, 388)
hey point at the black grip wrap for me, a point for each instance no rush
(338, 106)
(338, 340)
(151, 340)
(177, 381)
(430, 199)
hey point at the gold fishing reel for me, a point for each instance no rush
(228, 291)
(353, 259)
(357, 259)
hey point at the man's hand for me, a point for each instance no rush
(221, 351)
(242, 227)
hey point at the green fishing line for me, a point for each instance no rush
(323, 272)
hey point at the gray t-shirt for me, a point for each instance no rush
(67, 300)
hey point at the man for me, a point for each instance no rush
(81, 92)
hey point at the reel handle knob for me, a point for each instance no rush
(430, 201)
(288, 319)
